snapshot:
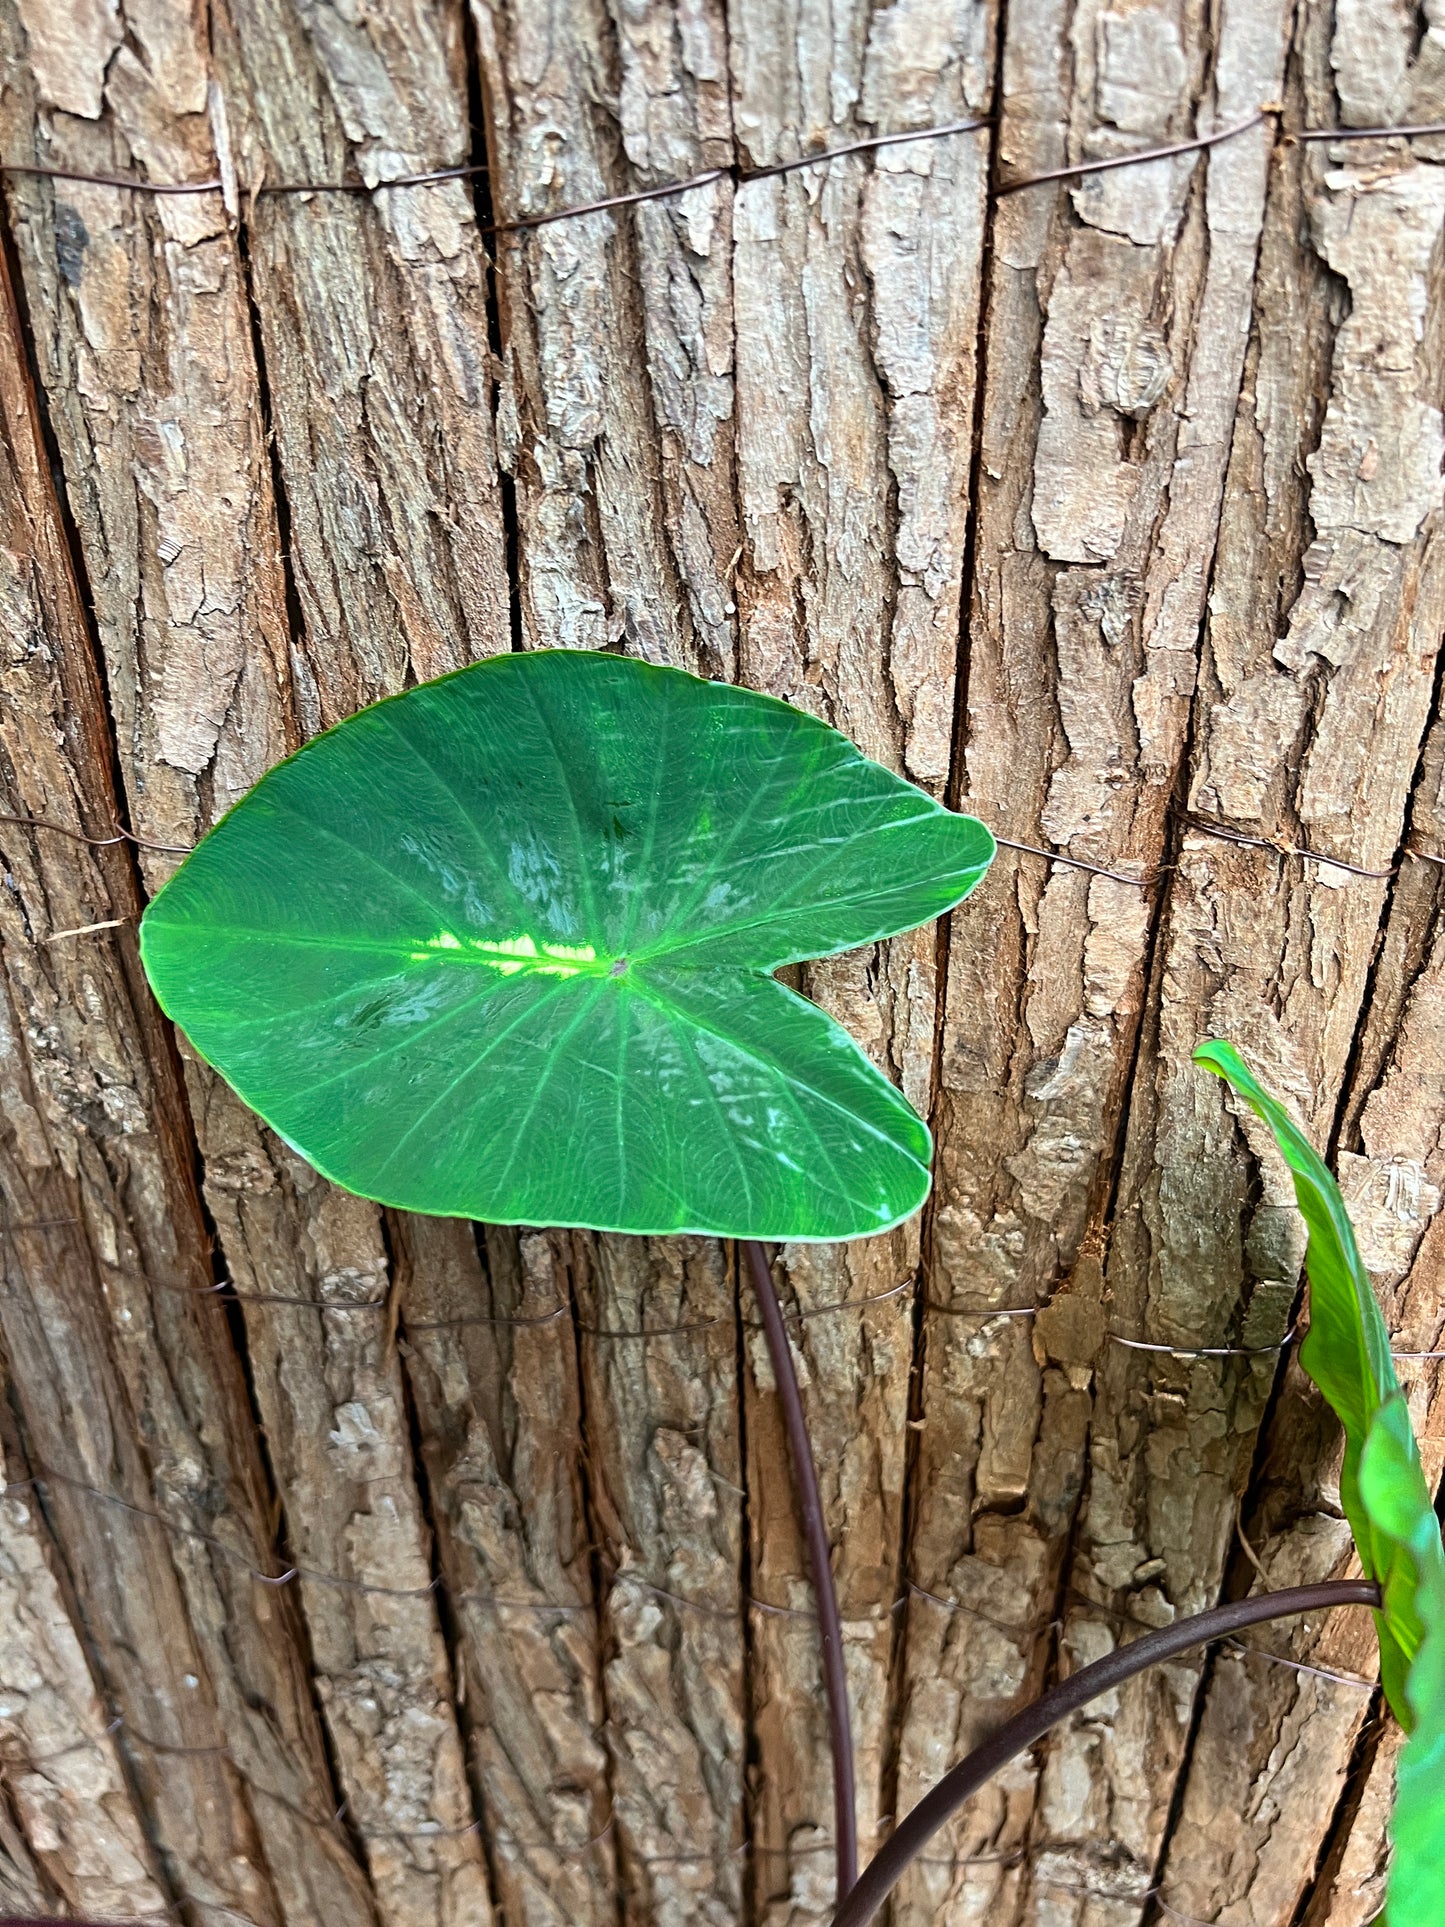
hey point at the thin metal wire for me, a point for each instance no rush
(1406, 130)
(626, 1578)
(1203, 1351)
(1193, 146)
(1291, 849)
(1030, 1631)
(780, 1612)
(169, 1749)
(1074, 862)
(228, 1293)
(655, 1331)
(1204, 827)
(1012, 1858)
(135, 185)
(1298, 1665)
(416, 1833)
(742, 176)
(482, 1318)
(95, 1740)
(96, 842)
(433, 177)
(1005, 843)
(866, 145)
(47, 1473)
(550, 1847)
(799, 1314)
(1185, 1920)
(982, 1311)
(470, 1597)
(689, 1327)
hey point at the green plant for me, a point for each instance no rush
(535, 907)
(503, 947)
(1383, 1491)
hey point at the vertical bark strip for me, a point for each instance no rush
(1277, 1746)
(371, 314)
(1320, 662)
(490, 1360)
(856, 299)
(64, 1780)
(616, 338)
(1118, 315)
(659, 1360)
(169, 571)
(124, 1379)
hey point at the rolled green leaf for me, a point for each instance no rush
(1397, 1500)
(1346, 1351)
(502, 947)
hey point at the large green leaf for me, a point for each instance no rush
(1347, 1353)
(1397, 1500)
(502, 947)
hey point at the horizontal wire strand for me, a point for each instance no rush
(433, 177)
(1297, 1665)
(1147, 882)
(1202, 1351)
(741, 176)
(1294, 850)
(1406, 130)
(48, 1473)
(228, 1294)
(96, 842)
(1140, 155)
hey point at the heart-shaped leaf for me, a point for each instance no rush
(502, 947)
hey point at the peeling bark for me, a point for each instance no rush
(492, 1370)
(60, 1763)
(1319, 672)
(315, 448)
(1116, 332)
(667, 1496)
(125, 1380)
(856, 295)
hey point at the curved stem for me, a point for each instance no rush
(914, 1832)
(820, 1563)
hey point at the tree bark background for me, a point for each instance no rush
(1110, 509)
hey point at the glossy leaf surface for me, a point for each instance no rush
(1398, 1500)
(1347, 1353)
(502, 947)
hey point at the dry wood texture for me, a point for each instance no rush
(1110, 509)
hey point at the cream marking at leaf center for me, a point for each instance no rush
(511, 955)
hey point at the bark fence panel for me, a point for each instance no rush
(1092, 507)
